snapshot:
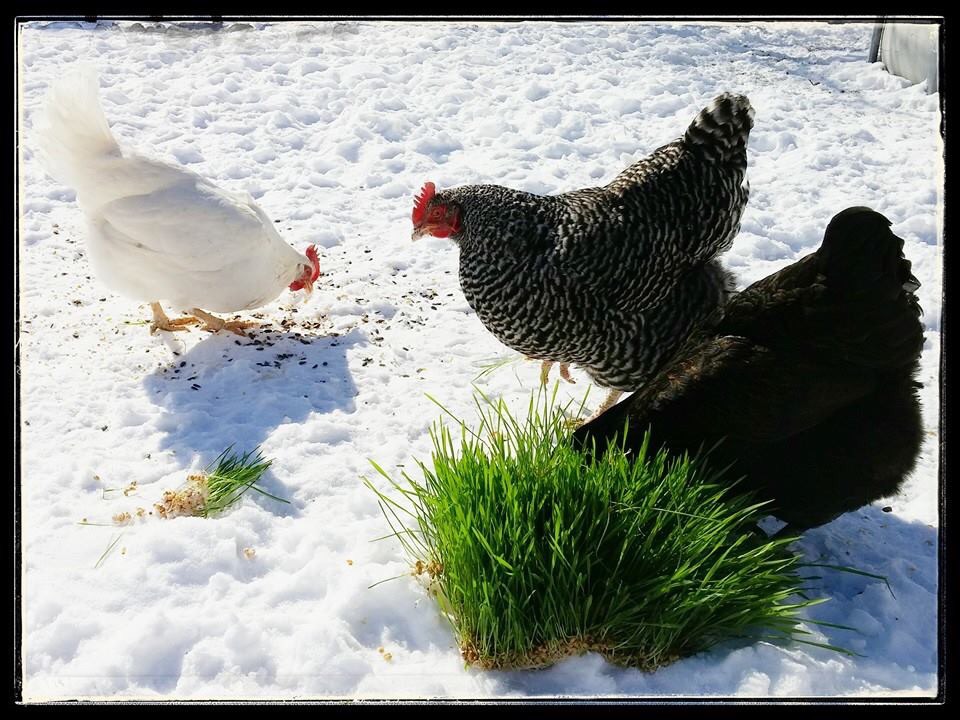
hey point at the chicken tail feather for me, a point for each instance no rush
(723, 126)
(72, 128)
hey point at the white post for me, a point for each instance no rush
(875, 41)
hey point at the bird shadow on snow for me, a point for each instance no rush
(229, 390)
(895, 635)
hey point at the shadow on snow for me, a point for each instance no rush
(231, 390)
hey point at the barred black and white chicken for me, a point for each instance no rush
(805, 382)
(611, 278)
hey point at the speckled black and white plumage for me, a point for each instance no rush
(610, 278)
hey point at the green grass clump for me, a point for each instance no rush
(535, 551)
(218, 486)
(230, 476)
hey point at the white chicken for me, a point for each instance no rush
(157, 231)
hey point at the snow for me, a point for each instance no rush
(333, 127)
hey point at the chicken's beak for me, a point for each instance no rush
(308, 286)
(418, 232)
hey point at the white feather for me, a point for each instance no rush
(158, 231)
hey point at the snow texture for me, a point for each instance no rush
(333, 127)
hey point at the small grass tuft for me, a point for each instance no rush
(231, 476)
(218, 487)
(535, 551)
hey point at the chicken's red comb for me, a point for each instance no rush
(314, 260)
(421, 200)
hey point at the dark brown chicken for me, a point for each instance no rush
(804, 381)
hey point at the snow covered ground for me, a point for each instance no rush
(333, 127)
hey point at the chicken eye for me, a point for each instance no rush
(436, 213)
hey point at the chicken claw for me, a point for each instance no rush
(162, 322)
(610, 401)
(564, 372)
(545, 371)
(572, 423)
(214, 324)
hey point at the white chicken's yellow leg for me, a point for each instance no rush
(162, 322)
(215, 324)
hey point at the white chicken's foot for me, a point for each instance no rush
(162, 322)
(215, 324)
(564, 372)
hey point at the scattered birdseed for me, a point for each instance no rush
(188, 500)
(122, 518)
(433, 569)
(249, 553)
(349, 562)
